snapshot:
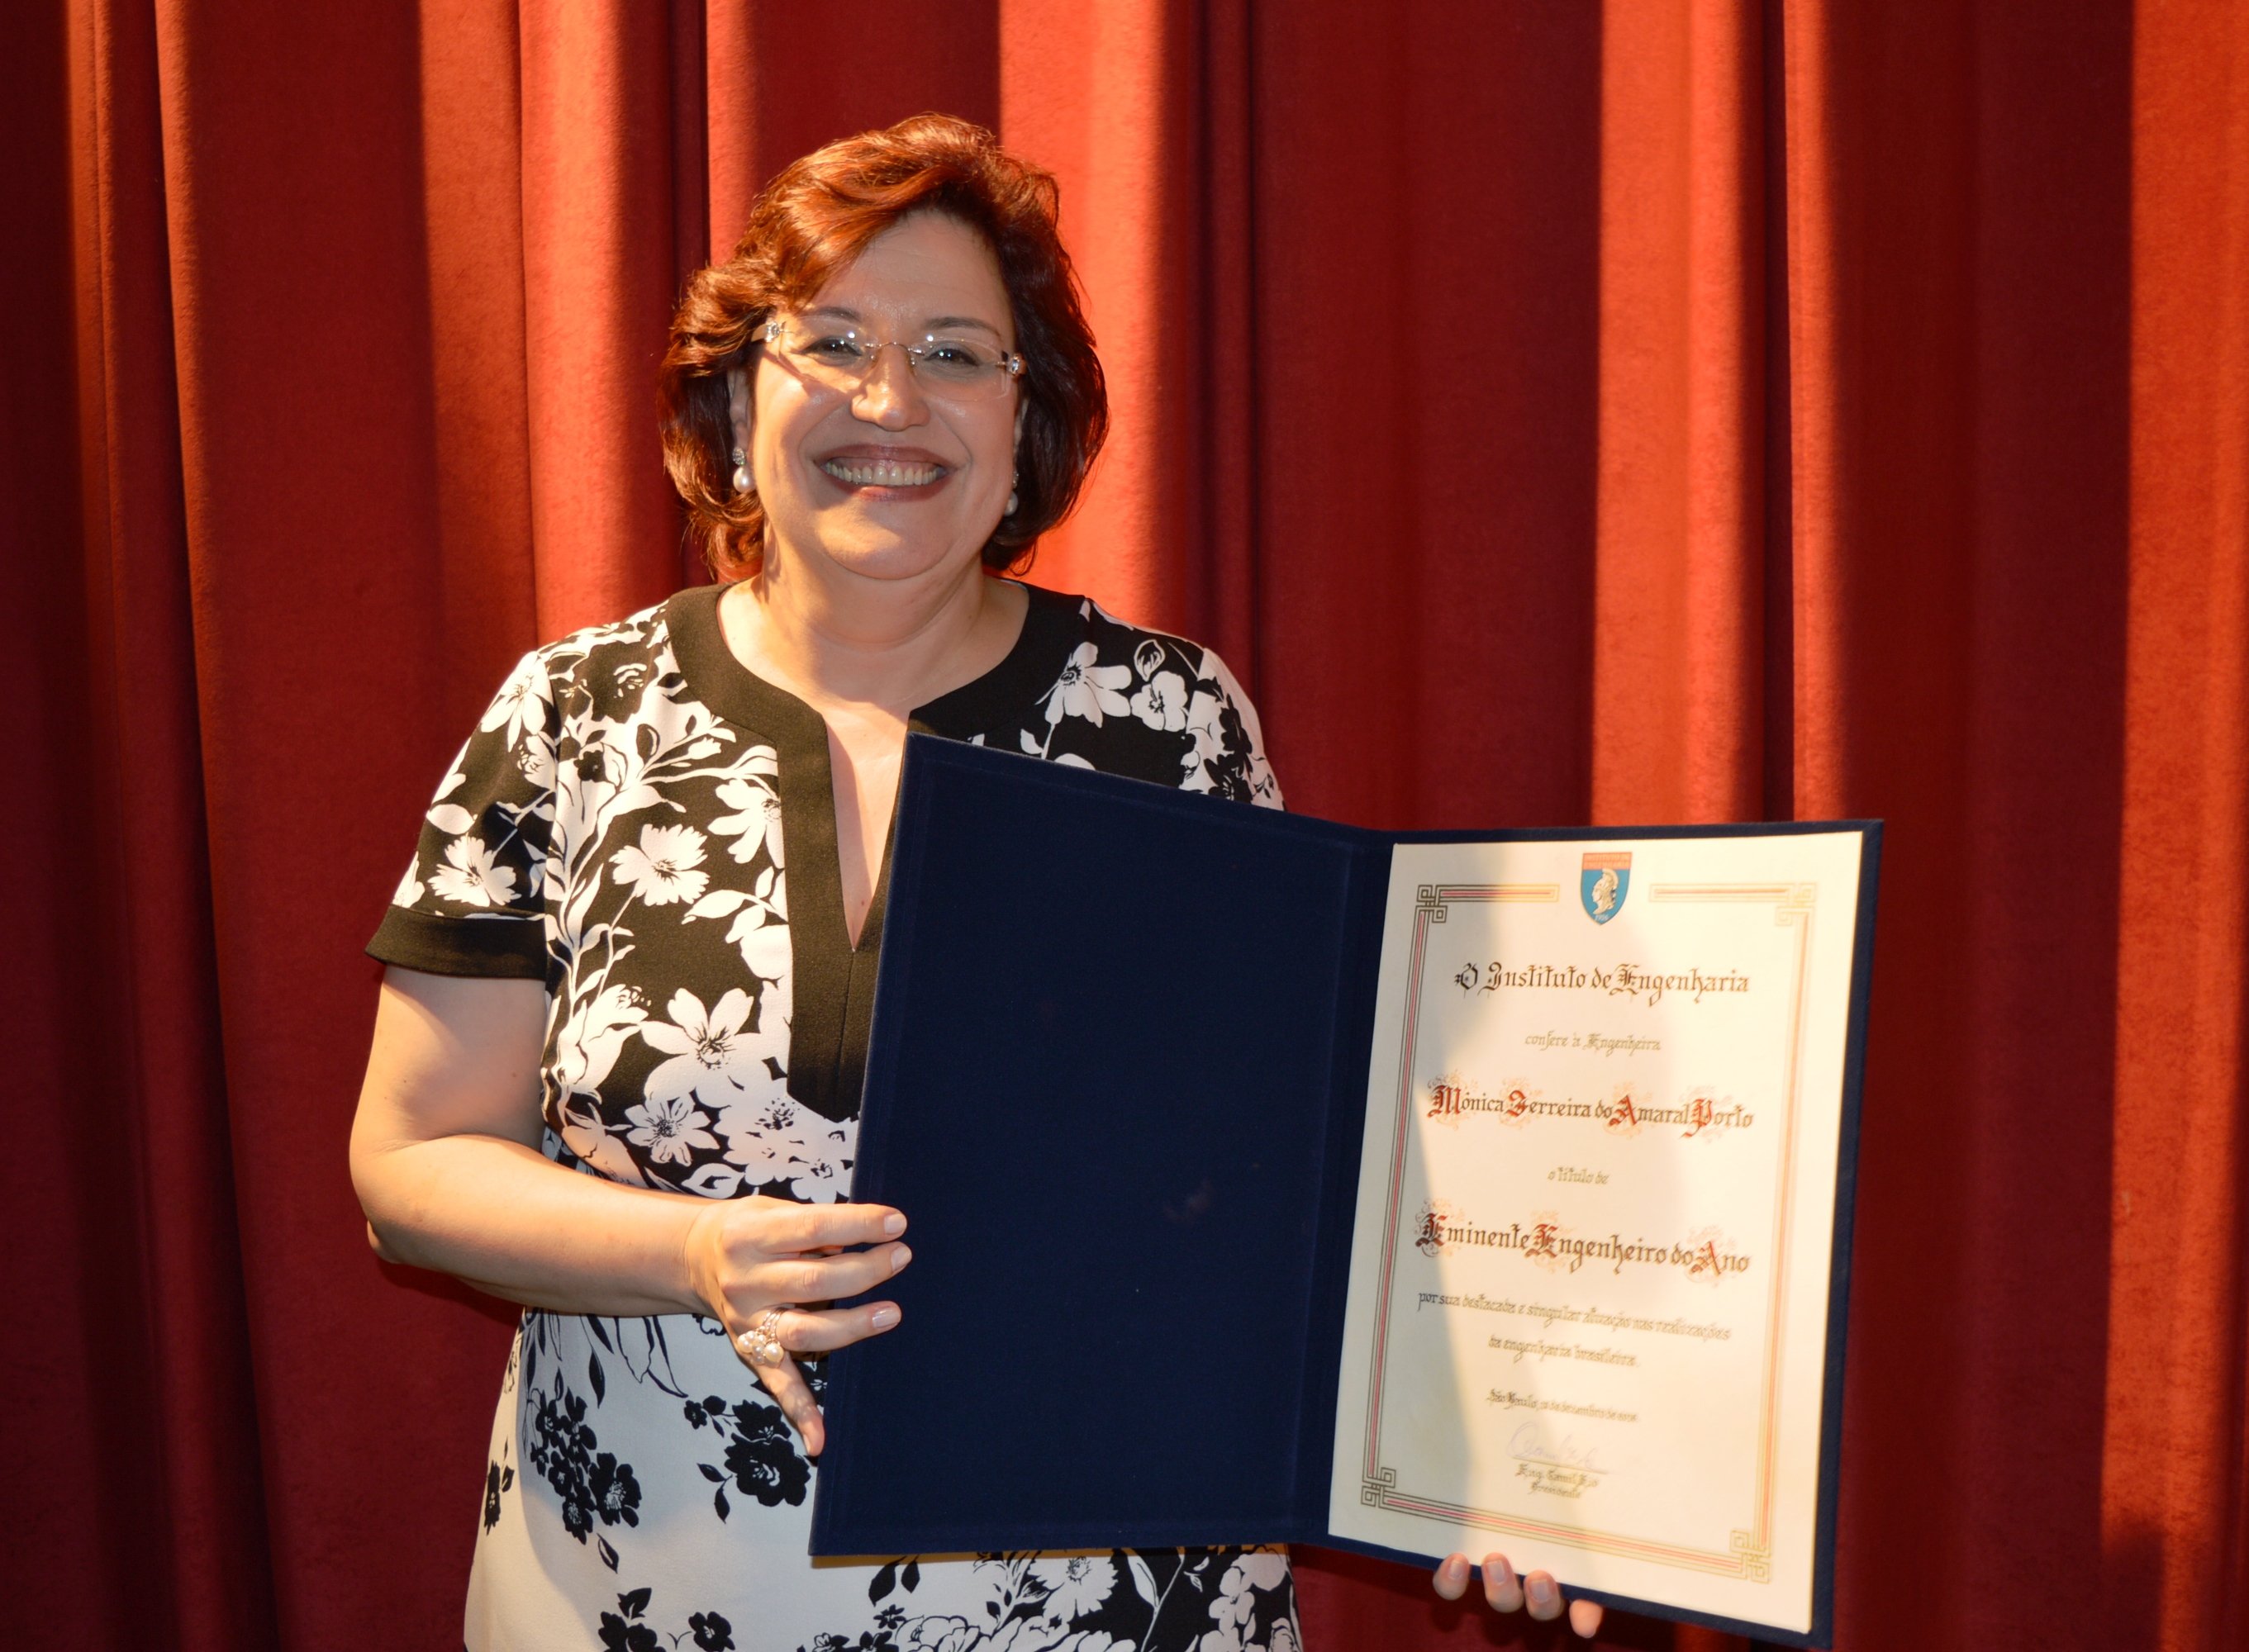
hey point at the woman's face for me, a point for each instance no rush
(890, 482)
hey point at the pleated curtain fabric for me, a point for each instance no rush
(1617, 412)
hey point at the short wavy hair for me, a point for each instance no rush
(809, 222)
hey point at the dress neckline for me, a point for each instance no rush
(739, 694)
(832, 982)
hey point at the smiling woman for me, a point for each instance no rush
(818, 218)
(889, 456)
(618, 1059)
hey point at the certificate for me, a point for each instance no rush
(1589, 1308)
(1277, 1181)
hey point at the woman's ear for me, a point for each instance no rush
(738, 405)
(1016, 457)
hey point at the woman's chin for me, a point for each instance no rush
(896, 558)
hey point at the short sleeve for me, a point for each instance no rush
(474, 901)
(1229, 750)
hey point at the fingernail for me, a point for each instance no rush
(1456, 1570)
(1541, 1591)
(886, 1317)
(894, 1224)
(899, 1257)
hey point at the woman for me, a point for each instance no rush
(633, 956)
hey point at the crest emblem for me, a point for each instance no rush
(1602, 883)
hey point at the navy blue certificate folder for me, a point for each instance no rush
(1118, 1079)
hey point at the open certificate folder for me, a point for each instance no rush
(1278, 1181)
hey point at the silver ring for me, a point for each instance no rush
(762, 1341)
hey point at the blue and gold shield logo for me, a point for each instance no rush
(1602, 883)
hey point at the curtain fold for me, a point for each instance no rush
(2175, 1465)
(1617, 413)
(599, 279)
(129, 1376)
(1096, 92)
(1679, 507)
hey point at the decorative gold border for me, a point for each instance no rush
(1748, 1553)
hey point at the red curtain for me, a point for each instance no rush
(1556, 412)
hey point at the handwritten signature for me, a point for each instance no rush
(1530, 1444)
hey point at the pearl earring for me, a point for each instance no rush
(742, 472)
(1010, 510)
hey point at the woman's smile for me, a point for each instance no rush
(882, 474)
(877, 473)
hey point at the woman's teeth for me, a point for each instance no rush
(882, 473)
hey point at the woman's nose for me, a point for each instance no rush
(890, 396)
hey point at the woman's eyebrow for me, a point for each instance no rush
(843, 313)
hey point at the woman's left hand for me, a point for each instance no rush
(1507, 1593)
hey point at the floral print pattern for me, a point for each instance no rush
(588, 1484)
(615, 827)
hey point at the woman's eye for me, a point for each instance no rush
(956, 355)
(834, 348)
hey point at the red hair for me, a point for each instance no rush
(811, 222)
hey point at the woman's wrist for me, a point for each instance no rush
(694, 1238)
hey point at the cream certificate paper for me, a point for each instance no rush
(1587, 1320)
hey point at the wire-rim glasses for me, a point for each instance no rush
(961, 366)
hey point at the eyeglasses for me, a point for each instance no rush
(948, 365)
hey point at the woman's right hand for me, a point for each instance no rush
(1507, 1593)
(766, 1269)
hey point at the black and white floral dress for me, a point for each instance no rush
(647, 827)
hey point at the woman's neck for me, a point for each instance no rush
(836, 638)
(863, 653)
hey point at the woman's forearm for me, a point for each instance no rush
(442, 1156)
(504, 1218)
